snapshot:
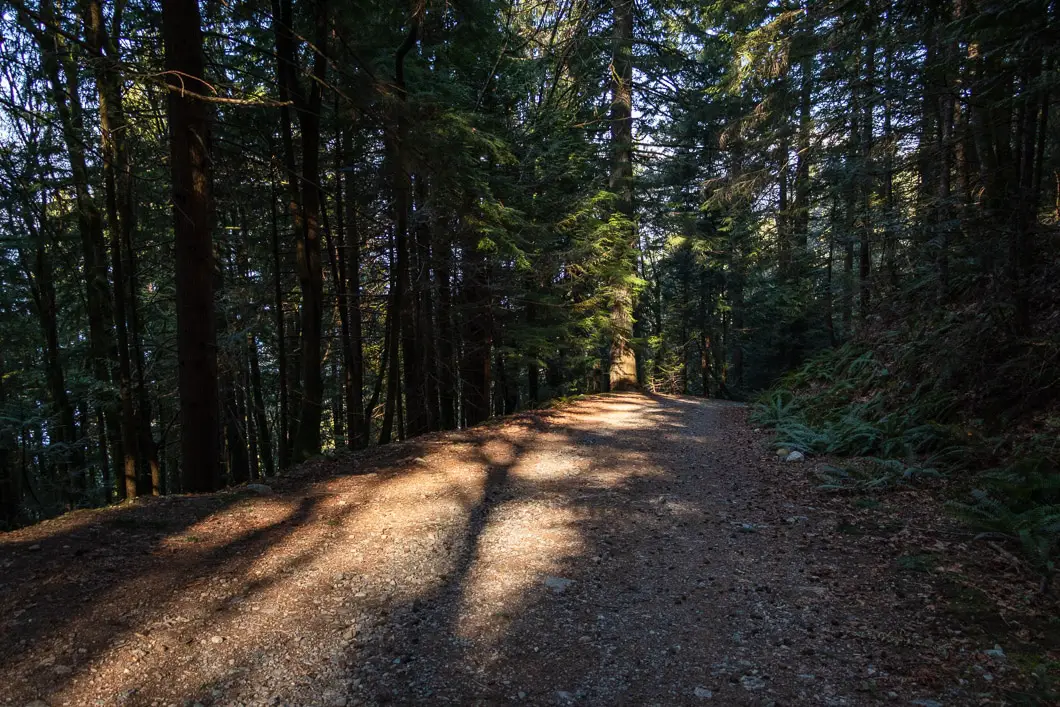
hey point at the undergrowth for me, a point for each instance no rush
(906, 410)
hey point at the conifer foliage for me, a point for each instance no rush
(235, 236)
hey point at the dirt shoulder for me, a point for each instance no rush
(626, 549)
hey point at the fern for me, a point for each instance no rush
(873, 474)
(1021, 503)
(776, 407)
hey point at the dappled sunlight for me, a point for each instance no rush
(523, 542)
(224, 599)
(212, 533)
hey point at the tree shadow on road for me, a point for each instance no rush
(572, 498)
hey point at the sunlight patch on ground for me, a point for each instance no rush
(523, 542)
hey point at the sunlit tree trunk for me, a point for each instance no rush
(623, 374)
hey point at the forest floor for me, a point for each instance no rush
(624, 549)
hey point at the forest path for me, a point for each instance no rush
(624, 549)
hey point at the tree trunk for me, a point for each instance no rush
(234, 421)
(800, 223)
(192, 215)
(865, 173)
(1020, 247)
(783, 216)
(56, 60)
(119, 218)
(42, 290)
(829, 309)
(407, 296)
(283, 424)
(704, 331)
(623, 375)
(447, 383)
(477, 328)
(261, 422)
(148, 448)
(533, 368)
(852, 207)
(944, 146)
(249, 410)
(304, 206)
(10, 480)
(890, 237)
(424, 334)
(392, 358)
(307, 250)
(348, 287)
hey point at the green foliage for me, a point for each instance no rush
(872, 474)
(1020, 502)
(848, 403)
(773, 408)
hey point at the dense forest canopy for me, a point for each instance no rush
(234, 236)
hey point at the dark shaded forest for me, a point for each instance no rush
(236, 236)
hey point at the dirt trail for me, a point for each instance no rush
(627, 549)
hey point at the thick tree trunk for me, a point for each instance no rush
(890, 238)
(829, 288)
(304, 206)
(307, 252)
(192, 215)
(685, 313)
(623, 374)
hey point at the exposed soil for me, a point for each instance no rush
(625, 549)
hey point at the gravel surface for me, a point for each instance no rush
(625, 549)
